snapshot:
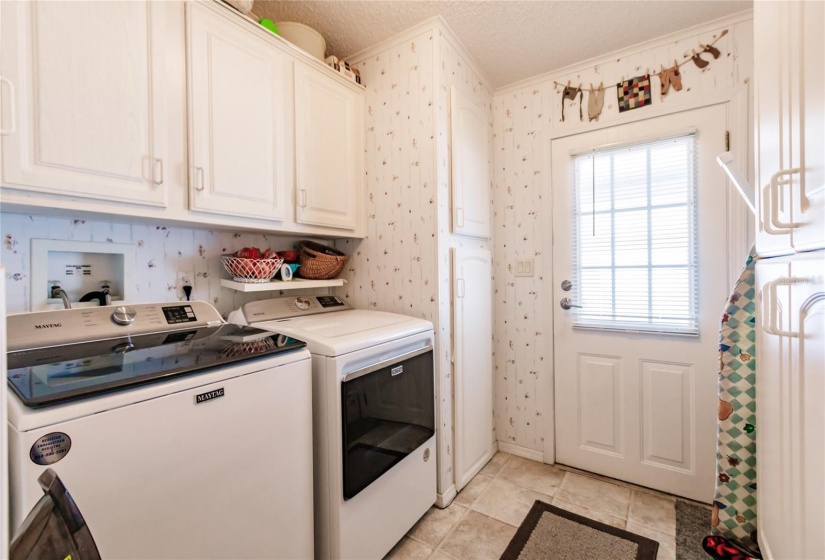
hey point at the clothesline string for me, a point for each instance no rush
(685, 61)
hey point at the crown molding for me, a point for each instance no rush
(435, 23)
(430, 24)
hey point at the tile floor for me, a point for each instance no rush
(484, 516)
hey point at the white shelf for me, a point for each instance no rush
(276, 285)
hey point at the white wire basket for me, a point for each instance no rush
(251, 271)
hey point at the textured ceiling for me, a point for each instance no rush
(510, 39)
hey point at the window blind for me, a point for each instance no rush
(635, 240)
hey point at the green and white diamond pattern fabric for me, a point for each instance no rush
(734, 507)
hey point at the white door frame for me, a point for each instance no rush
(739, 221)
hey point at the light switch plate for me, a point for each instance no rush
(524, 267)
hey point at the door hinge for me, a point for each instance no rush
(727, 140)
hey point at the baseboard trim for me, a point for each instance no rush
(520, 451)
(445, 499)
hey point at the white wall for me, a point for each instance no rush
(403, 264)
(160, 250)
(526, 115)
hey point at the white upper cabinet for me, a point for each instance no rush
(471, 187)
(83, 99)
(790, 126)
(238, 90)
(329, 154)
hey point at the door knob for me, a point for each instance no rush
(566, 303)
(566, 285)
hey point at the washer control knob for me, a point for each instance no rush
(124, 315)
(302, 303)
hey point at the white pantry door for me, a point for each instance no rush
(473, 361)
(641, 407)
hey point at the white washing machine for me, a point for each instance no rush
(373, 418)
(177, 435)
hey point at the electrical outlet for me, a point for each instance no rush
(524, 267)
(185, 278)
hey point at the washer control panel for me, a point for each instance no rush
(179, 314)
(54, 328)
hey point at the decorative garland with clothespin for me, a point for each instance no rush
(595, 102)
(672, 77)
(570, 93)
(635, 92)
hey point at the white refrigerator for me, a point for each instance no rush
(789, 78)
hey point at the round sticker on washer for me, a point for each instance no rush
(50, 448)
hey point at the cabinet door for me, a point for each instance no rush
(790, 416)
(470, 129)
(774, 508)
(238, 85)
(84, 99)
(809, 117)
(328, 150)
(790, 126)
(473, 359)
(808, 381)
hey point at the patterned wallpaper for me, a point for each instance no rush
(160, 252)
(403, 264)
(524, 119)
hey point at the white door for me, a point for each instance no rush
(470, 159)
(473, 362)
(84, 99)
(328, 149)
(636, 366)
(238, 126)
(790, 438)
(790, 126)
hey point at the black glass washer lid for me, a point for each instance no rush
(48, 376)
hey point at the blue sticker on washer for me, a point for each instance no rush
(50, 448)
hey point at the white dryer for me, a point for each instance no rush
(373, 404)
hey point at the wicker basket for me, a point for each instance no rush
(319, 262)
(251, 271)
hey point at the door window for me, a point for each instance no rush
(635, 259)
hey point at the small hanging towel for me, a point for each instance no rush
(734, 507)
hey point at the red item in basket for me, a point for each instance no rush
(289, 256)
(249, 253)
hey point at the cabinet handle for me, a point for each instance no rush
(778, 179)
(13, 109)
(303, 198)
(459, 288)
(157, 172)
(771, 307)
(459, 217)
(199, 178)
